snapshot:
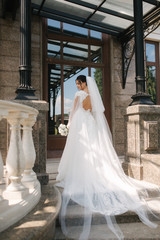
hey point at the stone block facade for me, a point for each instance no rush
(142, 142)
(121, 98)
(10, 55)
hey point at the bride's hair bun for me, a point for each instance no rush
(82, 78)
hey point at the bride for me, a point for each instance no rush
(90, 171)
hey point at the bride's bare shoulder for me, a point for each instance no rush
(80, 93)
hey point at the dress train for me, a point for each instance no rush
(92, 176)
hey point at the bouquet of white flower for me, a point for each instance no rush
(63, 130)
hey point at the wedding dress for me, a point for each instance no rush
(91, 174)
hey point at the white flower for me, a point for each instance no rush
(62, 126)
(63, 130)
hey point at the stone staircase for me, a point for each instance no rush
(38, 224)
(129, 222)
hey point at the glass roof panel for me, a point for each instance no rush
(117, 13)
(121, 6)
(104, 18)
(36, 2)
(67, 7)
(75, 51)
(147, 7)
(95, 2)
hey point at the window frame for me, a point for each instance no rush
(56, 142)
(157, 65)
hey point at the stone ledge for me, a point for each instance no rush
(40, 105)
(141, 109)
(39, 224)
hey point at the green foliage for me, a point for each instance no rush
(98, 76)
(151, 83)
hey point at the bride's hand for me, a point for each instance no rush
(68, 125)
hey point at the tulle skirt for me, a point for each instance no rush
(92, 177)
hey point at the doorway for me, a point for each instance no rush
(70, 51)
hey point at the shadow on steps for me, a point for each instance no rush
(39, 224)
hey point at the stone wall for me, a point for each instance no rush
(121, 98)
(10, 61)
(10, 55)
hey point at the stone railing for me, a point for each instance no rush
(19, 187)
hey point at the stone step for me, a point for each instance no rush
(75, 217)
(128, 222)
(38, 224)
(75, 214)
(131, 231)
(52, 176)
(152, 193)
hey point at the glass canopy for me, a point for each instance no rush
(108, 16)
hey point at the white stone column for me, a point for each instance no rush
(1, 175)
(15, 162)
(17, 199)
(3, 202)
(29, 176)
(1, 167)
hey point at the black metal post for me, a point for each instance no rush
(141, 97)
(25, 90)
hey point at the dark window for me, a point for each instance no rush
(152, 70)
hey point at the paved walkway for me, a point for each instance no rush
(52, 165)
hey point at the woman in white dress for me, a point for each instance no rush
(90, 171)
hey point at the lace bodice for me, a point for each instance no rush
(82, 95)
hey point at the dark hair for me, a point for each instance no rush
(81, 78)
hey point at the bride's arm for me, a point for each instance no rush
(75, 105)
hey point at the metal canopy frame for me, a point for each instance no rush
(150, 23)
(87, 22)
(94, 17)
(125, 35)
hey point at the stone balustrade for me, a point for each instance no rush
(19, 188)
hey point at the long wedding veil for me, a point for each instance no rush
(104, 188)
(97, 106)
